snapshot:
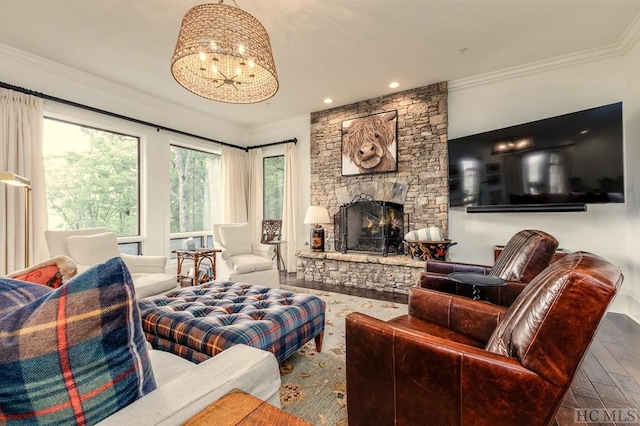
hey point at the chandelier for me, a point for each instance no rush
(224, 54)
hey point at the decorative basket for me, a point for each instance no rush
(424, 250)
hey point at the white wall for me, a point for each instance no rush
(631, 112)
(475, 108)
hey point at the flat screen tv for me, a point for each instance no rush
(554, 164)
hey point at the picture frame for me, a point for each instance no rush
(369, 144)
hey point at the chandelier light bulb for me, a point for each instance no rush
(214, 69)
(241, 49)
(214, 45)
(251, 63)
(202, 56)
(238, 71)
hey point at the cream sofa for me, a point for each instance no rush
(241, 259)
(91, 246)
(185, 388)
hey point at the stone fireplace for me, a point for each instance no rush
(418, 192)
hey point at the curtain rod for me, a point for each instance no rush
(134, 120)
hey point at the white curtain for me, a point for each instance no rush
(21, 118)
(289, 207)
(256, 190)
(234, 185)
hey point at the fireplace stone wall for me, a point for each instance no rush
(421, 180)
(420, 184)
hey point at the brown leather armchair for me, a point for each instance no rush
(456, 361)
(526, 254)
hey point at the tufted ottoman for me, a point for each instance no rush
(199, 322)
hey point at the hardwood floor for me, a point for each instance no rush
(609, 377)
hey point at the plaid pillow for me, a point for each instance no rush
(73, 355)
(15, 294)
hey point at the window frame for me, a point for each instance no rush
(110, 126)
(205, 235)
(264, 192)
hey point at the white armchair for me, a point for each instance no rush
(243, 260)
(91, 246)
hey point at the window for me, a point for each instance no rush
(195, 196)
(273, 169)
(470, 182)
(535, 172)
(92, 179)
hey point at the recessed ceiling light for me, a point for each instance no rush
(394, 84)
(328, 101)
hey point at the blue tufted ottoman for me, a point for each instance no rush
(199, 322)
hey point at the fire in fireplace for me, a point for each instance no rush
(370, 226)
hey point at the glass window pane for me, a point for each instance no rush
(130, 248)
(273, 187)
(92, 178)
(195, 190)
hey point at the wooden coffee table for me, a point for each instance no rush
(239, 408)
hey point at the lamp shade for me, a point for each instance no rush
(224, 54)
(316, 215)
(13, 179)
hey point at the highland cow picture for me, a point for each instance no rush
(369, 144)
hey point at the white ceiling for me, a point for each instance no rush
(348, 50)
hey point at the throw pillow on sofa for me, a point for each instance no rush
(236, 239)
(75, 354)
(88, 250)
(52, 273)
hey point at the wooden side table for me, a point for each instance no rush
(476, 280)
(278, 254)
(239, 408)
(197, 256)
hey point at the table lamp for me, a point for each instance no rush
(317, 215)
(16, 180)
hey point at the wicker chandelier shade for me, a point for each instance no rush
(224, 54)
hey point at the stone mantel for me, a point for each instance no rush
(394, 273)
(397, 260)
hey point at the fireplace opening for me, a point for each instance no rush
(371, 226)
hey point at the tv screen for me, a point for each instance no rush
(572, 158)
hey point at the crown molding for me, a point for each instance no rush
(630, 37)
(306, 118)
(50, 67)
(82, 78)
(572, 59)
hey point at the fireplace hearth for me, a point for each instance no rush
(368, 225)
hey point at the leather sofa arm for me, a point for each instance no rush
(446, 267)
(472, 318)
(396, 375)
(502, 295)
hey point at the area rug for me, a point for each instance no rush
(314, 384)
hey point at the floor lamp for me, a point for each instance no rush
(16, 180)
